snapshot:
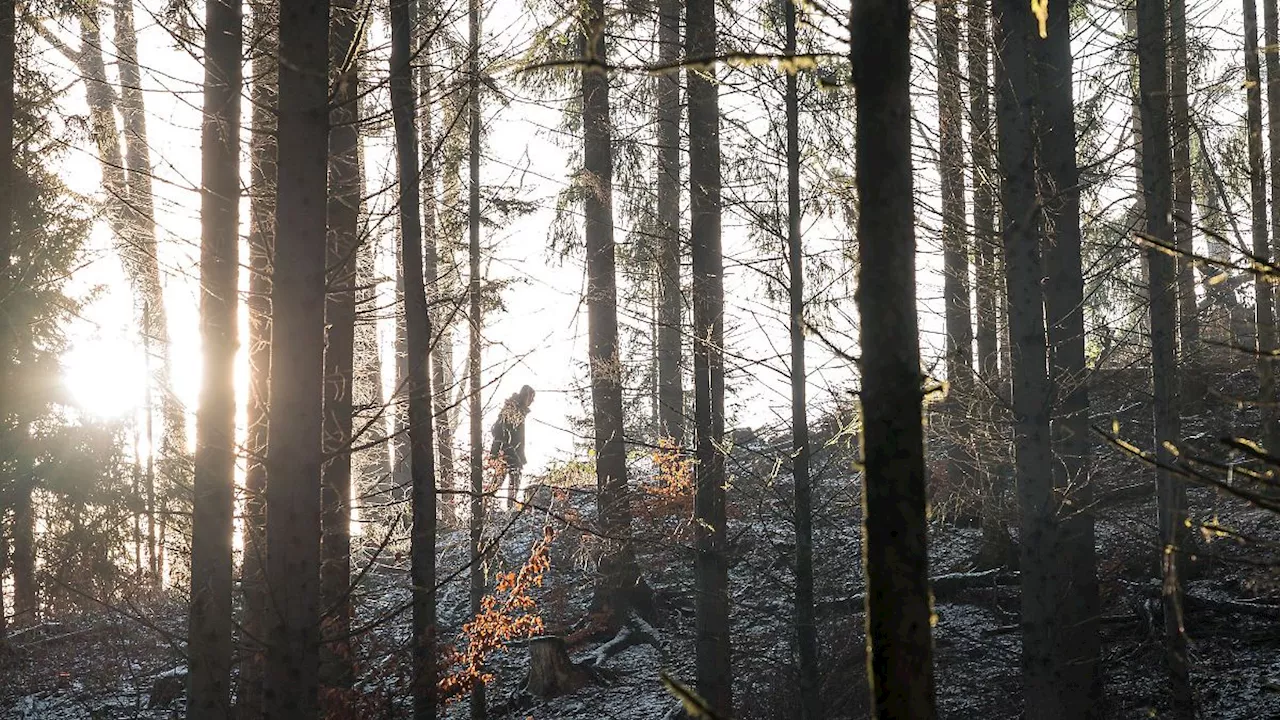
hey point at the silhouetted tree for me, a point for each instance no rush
(294, 449)
(1157, 190)
(209, 634)
(895, 549)
(711, 570)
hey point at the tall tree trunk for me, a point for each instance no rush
(620, 589)
(400, 452)
(806, 629)
(343, 211)
(986, 289)
(1044, 578)
(25, 592)
(130, 216)
(1157, 189)
(294, 451)
(997, 547)
(139, 207)
(433, 274)
(418, 334)
(8, 65)
(476, 579)
(1079, 683)
(262, 210)
(711, 571)
(955, 251)
(209, 633)
(1271, 423)
(895, 551)
(671, 419)
(1183, 227)
(372, 463)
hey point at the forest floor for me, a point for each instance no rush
(127, 662)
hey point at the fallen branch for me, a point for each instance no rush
(945, 588)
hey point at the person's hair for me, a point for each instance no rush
(526, 395)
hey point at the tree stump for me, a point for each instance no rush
(551, 672)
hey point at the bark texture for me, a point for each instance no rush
(294, 450)
(711, 569)
(895, 553)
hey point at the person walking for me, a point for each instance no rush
(507, 449)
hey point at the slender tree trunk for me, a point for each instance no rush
(996, 548)
(806, 629)
(372, 463)
(711, 571)
(1183, 227)
(418, 331)
(8, 65)
(345, 192)
(1044, 577)
(895, 551)
(400, 452)
(671, 419)
(139, 204)
(432, 275)
(262, 204)
(209, 634)
(1079, 683)
(476, 584)
(1271, 423)
(980, 145)
(1157, 187)
(620, 588)
(955, 248)
(294, 450)
(25, 592)
(130, 217)
(155, 531)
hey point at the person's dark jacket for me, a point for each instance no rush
(508, 433)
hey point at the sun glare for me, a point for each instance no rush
(105, 374)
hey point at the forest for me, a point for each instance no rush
(736, 359)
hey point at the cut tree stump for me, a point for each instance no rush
(551, 671)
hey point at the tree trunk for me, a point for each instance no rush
(8, 65)
(1271, 423)
(139, 208)
(620, 588)
(895, 554)
(551, 671)
(1079, 683)
(418, 336)
(25, 594)
(1044, 579)
(476, 579)
(209, 633)
(1183, 227)
(955, 251)
(262, 204)
(343, 215)
(294, 450)
(997, 547)
(433, 276)
(711, 570)
(132, 224)
(806, 630)
(671, 419)
(980, 145)
(1157, 187)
